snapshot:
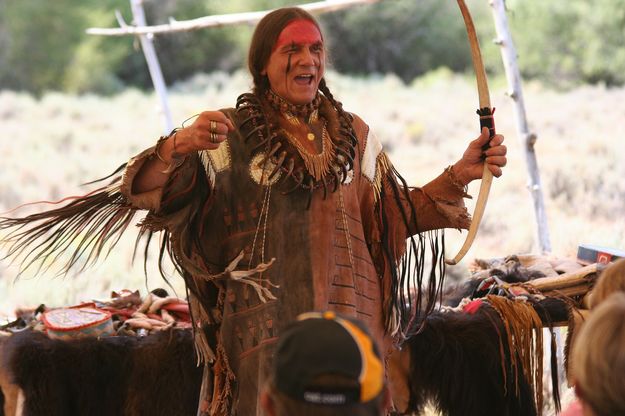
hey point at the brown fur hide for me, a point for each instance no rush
(456, 364)
(155, 375)
(8, 391)
(508, 270)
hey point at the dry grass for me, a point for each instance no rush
(52, 144)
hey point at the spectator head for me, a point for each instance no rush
(611, 280)
(326, 365)
(599, 357)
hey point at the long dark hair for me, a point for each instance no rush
(265, 37)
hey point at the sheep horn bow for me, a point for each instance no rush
(486, 120)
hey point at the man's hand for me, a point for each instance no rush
(208, 130)
(471, 166)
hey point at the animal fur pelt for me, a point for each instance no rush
(4, 380)
(9, 392)
(153, 375)
(456, 363)
(509, 270)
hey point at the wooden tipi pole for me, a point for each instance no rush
(528, 140)
(147, 45)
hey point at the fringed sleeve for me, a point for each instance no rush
(150, 200)
(179, 210)
(174, 209)
(187, 182)
(402, 229)
(413, 253)
(441, 203)
(74, 235)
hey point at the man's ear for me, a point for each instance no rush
(266, 402)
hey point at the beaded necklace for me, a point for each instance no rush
(285, 107)
(287, 158)
(317, 164)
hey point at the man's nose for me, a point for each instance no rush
(307, 57)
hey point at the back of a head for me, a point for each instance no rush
(327, 365)
(599, 356)
(611, 280)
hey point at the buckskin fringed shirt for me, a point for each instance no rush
(254, 257)
(264, 228)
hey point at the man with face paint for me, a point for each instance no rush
(282, 205)
(297, 63)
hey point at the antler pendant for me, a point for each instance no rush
(486, 120)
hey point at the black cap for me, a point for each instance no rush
(328, 344)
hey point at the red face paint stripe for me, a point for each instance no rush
(299, 32)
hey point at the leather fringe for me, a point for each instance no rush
(205, 353)
(223, 386)
(524, 336)
(75, 235)
(410, 298)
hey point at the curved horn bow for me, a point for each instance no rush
(486, 120)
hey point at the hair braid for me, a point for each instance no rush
(343, 115)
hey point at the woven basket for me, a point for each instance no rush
(70, 323)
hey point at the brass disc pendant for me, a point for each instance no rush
(310, 136)
(317, 164)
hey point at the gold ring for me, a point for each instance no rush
(213, 137)
(213, 126)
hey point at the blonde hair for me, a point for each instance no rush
(610, 281)
(599, 356)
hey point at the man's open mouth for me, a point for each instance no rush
(304, 79)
